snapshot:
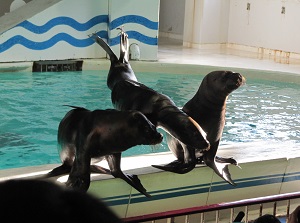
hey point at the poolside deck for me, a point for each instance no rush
(173, 51)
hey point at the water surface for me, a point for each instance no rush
(31, 108)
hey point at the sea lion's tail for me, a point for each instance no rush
(103, 44)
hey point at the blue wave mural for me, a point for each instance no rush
(133, 19)
(135, 35)
(81, 27)
(67, 21)
(62, 20)
(123, 20)
(49, 43)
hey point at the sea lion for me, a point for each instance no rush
(207, 108)
(86, 137)
(128, 94)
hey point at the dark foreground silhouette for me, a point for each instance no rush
(42, 201)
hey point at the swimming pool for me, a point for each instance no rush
(31, 108)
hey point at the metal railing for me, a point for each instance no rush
(170, 216)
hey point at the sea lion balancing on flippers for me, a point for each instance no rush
(86, 137)
(128, 94)
(208, 107)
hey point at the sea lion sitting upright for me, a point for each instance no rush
(86, 137)
(128, 94)
(208, 107)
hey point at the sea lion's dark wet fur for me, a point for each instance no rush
(85, 136)
(208, 107)
(128, 94)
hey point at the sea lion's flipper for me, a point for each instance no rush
(105, 46)
(114, 162)
(124, 47)
(176, 166)
(60, 170)
(80, 175)
(186, 158)
(220, 167)
(99, 169)
(135, 182)
(189, 136)
(230, 160)
(177, 148)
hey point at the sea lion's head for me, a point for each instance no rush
(141, 130)
(224, 82)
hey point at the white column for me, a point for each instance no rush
(206, 22)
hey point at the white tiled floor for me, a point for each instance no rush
(172, 51)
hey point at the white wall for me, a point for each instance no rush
(206, 22)
(215, 21)
(264, 25)
(228, 21)
(171, 18)
(140, 21)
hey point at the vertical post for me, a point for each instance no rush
(274, 208)
(231, 214)
(202, 218)
(217, 216)
(186, 219)
(288, 205)
(246, 214)
(260, 209)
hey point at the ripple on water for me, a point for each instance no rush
(32, 106)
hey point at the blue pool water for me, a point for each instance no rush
(31, 108)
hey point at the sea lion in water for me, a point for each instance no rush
(86, 137)
(208, 107)
(129, 94)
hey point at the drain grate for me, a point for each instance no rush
(57, 66)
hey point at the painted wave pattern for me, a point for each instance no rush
(34, 45)
(63, 20)
(123, 20)
(81, 27)
(49, 43)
